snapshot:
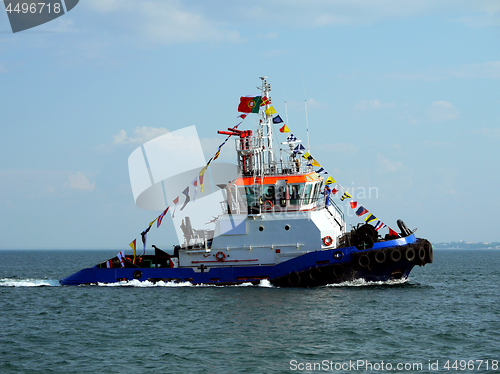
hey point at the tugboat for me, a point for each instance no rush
(278, 224)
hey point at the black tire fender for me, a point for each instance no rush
(380, 256)
(428, 251)
(314, 274)
(421, 253)
(294, 279)
(409, 254)
(364, 260)
(338, 270)
(395, 255)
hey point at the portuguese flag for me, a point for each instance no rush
(249, 104)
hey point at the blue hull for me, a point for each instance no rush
(386, 260)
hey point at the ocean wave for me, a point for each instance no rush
(364, 283)
(146, 284)
(264, 283)
(13, 282)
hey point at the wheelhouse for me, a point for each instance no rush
(249, 195)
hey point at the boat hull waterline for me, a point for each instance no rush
(389, 260)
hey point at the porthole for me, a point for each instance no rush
(261, 228)
(287, 227)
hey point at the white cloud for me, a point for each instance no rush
(480, 21)
(443, 111)
(300, 105)
(167, 21)
(387, 165)
(18, 185)
(180, 21)
(61, 25)
(106, 6)
(339, 149)
(334, 19)
(438, 111)
(275, 53)
(268, 35)
(488, 132)
(141, 135)
(326, 13)
(49, 190)
(80, 182)
(435, 143)
(372, 104)
(485, 70)
(228, 152)
(311, 103)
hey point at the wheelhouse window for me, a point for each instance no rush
(307, 195)
(283, 195)
(253, 199)
(296, 193)
(315, 193)
(268, 194)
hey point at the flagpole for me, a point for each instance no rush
(307, 119)
(286, 107)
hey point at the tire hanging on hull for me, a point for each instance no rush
(294, 279)
(380, 256)
(338, 270)
(314, 274)
(395, 255)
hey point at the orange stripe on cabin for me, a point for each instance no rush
(248, 181)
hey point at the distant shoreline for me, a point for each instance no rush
(466, 245)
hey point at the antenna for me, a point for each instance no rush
(286, 107)
(307, 120)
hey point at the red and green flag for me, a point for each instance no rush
(249, 104)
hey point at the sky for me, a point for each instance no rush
(403, 99)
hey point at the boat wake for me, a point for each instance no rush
(363, 283)
(264, 283)
(14, 282)
(146, 284)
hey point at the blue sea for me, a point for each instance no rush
(445, 318)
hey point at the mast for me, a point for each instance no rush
(266, 127)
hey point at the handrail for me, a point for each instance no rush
(339, 211)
